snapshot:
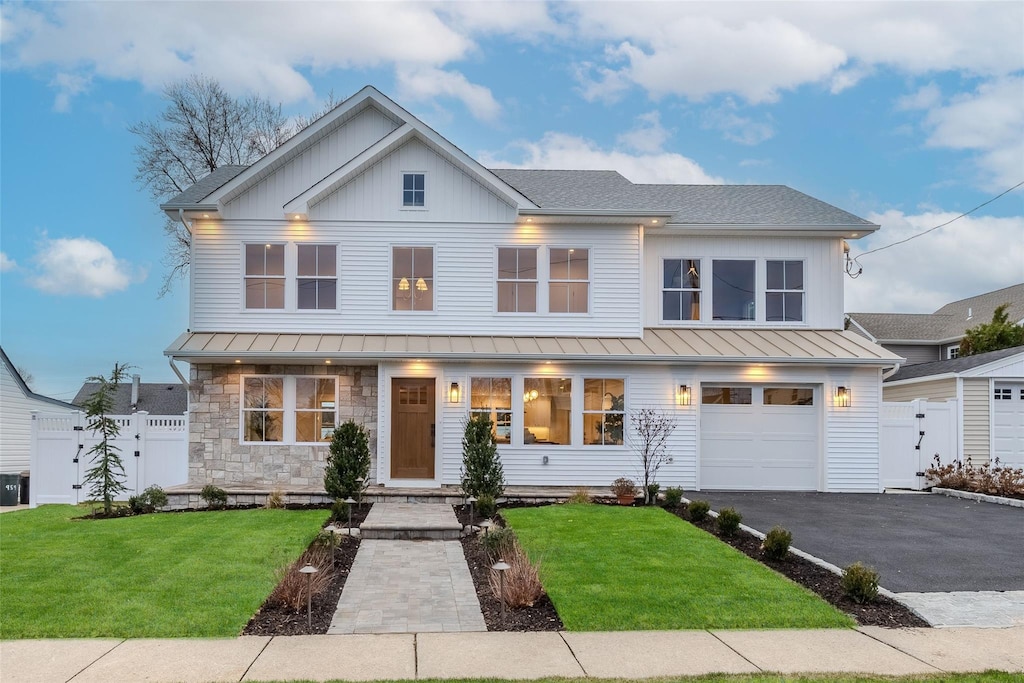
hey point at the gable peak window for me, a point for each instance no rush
(264, 276)
(414, 191)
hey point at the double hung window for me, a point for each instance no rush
(680, 294)
(604, 411)
(412, 279)
(492, 398)
(264, 276)
(569, 281)
(289, 409)
(517, 279)
(784, 291)
(317, 281)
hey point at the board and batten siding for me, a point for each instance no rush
(823, 272)
(932, 390)
(266, 199)
(16, 423)
(452, 195)
(977, 419)
(465, 278)
(916, 353)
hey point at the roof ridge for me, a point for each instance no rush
(978, 296)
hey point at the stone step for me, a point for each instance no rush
(411, 521)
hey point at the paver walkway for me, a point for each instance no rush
(991, 609)
(409, 586)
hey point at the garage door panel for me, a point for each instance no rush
(1008, 423)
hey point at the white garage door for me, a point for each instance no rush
(1008, 423)
(763, 437)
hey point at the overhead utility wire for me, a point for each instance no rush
(856, 259)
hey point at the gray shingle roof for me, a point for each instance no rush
(203, 187)
(954, 365)
(690, 204)
(949, 322)
(155, 398)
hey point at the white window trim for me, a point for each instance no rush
(498, 279)
(662, 290)
(401, 191)
(803, 292)
(336, 278)
(549, 280)
(284, 278)
(288, 394)
(391, 276)
(606, 447)
(950, 351)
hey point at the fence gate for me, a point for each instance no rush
(153, 449)
(910, 434)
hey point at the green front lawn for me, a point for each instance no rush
(611, 568)
(162, 575)
(987, 677)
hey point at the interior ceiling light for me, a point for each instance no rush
(421, 285)
(403, 285)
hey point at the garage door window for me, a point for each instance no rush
(726, 395)
(788, 396)
(1004, 394)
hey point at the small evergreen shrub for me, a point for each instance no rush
(698, 510)
(673, 497)
(776, 543)
(498, 543)
(215, 497)
(136, 506)
(581, 496)
(860, 583)
(339, 511)
(155, 496)
(348, 462)
(275, 500)
(482, 473)
(729, 521)
(652, 493)
(486, 506)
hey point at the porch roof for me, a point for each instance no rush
(707, 345)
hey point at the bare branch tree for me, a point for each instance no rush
(648, 438)
(303, 122)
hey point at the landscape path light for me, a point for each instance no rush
(359, 492)
(501, 566)
(309, 570)
(486, 525)
(349, 502)
(471, 500)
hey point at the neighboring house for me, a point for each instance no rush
(990, 390)
(17, 402)
(927, 337)
(368, 269)
(153, 397)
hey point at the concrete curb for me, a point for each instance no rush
(979, 497)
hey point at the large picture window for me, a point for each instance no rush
(732, 290)
(412, 278)
(517, 279)
(784, 291)
(604, 411)
(264, 276)
(569, 281)
(492, 398)
(317, 281)
(680, 295)
(547, 410)
(263, 409)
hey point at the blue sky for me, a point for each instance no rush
(904, 113)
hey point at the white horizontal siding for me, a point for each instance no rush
(977, 419)
(451, 194)
(851, 433)
(266, 199)
(465, 279)
(16, 423)
(823, 273)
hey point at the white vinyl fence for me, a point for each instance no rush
(154, 450)
(910, 435)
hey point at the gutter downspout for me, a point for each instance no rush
(184, 382)
(892, 371)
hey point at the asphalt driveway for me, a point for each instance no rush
(917, 542)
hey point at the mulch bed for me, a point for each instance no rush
(541, 616)
(882, 611)
(282, 620)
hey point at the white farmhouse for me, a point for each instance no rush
(368, 269)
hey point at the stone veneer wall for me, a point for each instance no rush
(215, 455)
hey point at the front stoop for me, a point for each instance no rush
(411, 522)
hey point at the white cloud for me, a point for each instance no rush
(648, 135)
(67, 86)
(560, 150)
(925, 97)
(968, 257)
(427, 83)
(741, 129)
(7, 263)
(82, 266)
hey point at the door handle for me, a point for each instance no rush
(433, 430)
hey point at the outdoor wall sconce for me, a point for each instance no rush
(842, 397)
(454, 393)
(683, 395)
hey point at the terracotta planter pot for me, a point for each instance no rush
(626, 500)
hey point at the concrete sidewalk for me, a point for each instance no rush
(514, 655)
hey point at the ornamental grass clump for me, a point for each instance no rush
(580, 496)
(860, 583)
(275, 500)
(498, 543)
(729, 521)
(522, 581)
(291, 587)
(776, 543)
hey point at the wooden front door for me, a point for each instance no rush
(412, 428)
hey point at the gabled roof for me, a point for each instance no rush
(741, 205)
(154, 397)
(192, 197)
(28, 393)
(954, 366)
(945, 325)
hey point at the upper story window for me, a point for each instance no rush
(317, 276)
(492, 397)
(414, 193)
(680, 294)
(264, 276)
(517, 279)
(784, 291)
(412, 279)
(604, 411)
(953, 351)
(732, 290)
(569, 281)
